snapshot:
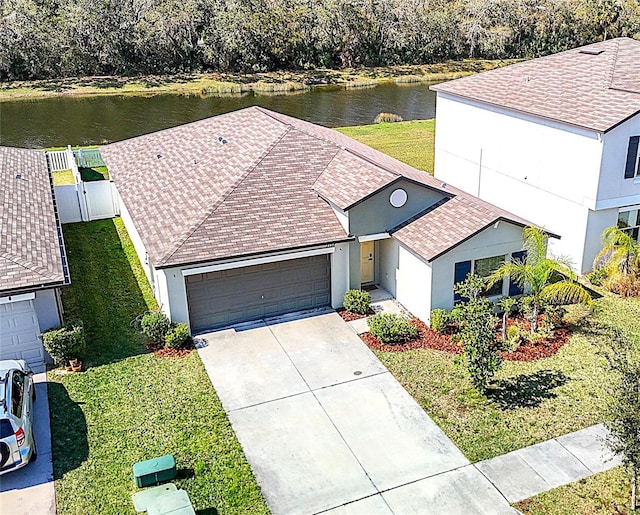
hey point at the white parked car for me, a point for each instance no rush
(17, 395)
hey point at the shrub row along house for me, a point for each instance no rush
(255, 214)
(555, 140)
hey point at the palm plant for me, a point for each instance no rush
(620, 254)
(545, 279)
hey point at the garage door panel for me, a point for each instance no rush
(20, 333)
(250, 293)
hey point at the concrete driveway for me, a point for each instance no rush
(326, 428)
(30, 490)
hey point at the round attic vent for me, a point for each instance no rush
(398, 198)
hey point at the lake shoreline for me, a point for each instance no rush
(228, 84)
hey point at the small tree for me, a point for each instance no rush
(547, 279)
(624, 406)
(481, 349)
(506, 304)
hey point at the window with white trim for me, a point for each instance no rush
(629, 222)
(632, 165)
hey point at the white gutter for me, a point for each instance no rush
(374, 237)
(274, 258)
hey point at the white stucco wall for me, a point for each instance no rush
(388, 260)
(339, 274)
(614, 190)
(141, 251)
(500, 241)
(414, 284)
(171, 293)
(543, 171)
(45, 304)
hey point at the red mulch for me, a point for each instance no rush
(430, 339)
(427, 339)
(166, 352)
(350, 316)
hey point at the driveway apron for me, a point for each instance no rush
(326, 428)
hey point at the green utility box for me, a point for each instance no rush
(154, 471)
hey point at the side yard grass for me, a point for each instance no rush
(410, 142)
(130, 405)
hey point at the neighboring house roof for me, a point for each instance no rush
(596, 86)
(249, 182)
(451, 223)
(31, 246)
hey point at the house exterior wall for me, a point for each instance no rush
(613, 189)
(492, 241)
(546, 172)
(377, 215)
(340, 273)
(388, 261)
(45, 304)
(141, 251)
(414, 283)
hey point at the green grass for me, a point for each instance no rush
(62, 178)
(531, 402)
(410, 142)
(130, 405)
(221, 84)
(604, 493)
(99, 173)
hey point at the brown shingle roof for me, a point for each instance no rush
(263, 190)
(31, 245)
(450, 224)
(596, 86)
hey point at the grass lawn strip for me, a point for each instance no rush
(221, 84)
(532, 402)
(605, 493)
(131, 405)
(410, 142)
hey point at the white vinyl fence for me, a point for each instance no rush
(82, 201)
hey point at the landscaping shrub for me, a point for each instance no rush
(391, 328)
(357, 301)
(554, 316)
(155, 326)
(514, 338)
(387, 118)
(439, 320)
(598, 276)
(65, 343)
(176, 336)
(624, 285)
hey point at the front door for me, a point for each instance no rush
(366, 262)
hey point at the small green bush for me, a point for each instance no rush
(65, 343)
(387, 118)
(155, 326)
(554, 316)
(439, 320)
(514, 338)
(597, 277)
(391, 328)
(176, 335)
(357, 301)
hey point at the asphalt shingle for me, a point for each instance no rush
(596, 86)
(31, 246)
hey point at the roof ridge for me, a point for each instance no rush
(608, 80)
(28, 265)
(179, 242)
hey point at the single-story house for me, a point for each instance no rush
(253, 214)
(33, 263)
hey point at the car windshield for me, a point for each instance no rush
(6, 429)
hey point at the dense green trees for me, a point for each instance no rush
(62, 38)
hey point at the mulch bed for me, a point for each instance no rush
(430, 339)
(350, 316)
(165, 352)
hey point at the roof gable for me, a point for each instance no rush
(596, 86)
(31, 245)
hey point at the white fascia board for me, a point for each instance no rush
(274, 258)
(618, 202)
(374, 237)
(17, 298)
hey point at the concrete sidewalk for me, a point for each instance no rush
(526, 472)
(30, 490)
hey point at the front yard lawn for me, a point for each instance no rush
(130, 405)
(531, 402)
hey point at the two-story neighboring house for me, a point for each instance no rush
(554, 140)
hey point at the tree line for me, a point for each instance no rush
(66, 38)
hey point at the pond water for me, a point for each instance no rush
(58, 121)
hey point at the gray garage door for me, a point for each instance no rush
(20, 334)
(218, 299)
